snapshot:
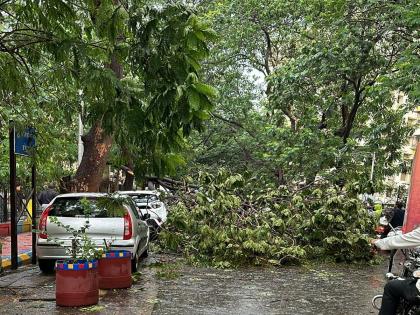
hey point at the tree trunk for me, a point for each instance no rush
(129, 180)
(129, 176)
(97, 145)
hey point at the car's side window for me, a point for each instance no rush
(141, 210)
(134, 209)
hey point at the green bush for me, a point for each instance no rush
(227, 224)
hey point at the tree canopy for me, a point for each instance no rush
(307, 89)
(313, 88)
(131, 70)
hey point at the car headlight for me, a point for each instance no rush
(156, 205)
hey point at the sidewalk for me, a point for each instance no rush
(24, 249)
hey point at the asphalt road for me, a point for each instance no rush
(167, 286)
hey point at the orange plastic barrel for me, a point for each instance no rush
(114, 270)
(76, 283)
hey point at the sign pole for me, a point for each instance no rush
(12, 161)
(5, 215)
(34, 208)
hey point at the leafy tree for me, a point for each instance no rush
(83, 48)
(342, 84)
(331, 71)
(175, 100)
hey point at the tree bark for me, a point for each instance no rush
(97, 145)
(129, 177)
(128, 182)
(352, 115)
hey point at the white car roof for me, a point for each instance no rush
(135, 192)
(82, 194)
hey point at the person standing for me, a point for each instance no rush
(47, 195)
(20, 198)
(398, 215)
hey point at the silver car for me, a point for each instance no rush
(129, 232)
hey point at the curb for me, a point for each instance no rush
(23, 259)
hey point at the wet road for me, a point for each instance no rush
(324, 290)
(170, 287)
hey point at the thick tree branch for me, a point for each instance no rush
(231, 122)
(268, 51)
(352, 115)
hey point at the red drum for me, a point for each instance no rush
(76, 283)
(114, 270)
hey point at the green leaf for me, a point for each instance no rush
(206, 89)
(193, 99)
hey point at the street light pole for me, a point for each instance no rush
(80, 146)
(373, 165)
(79, 141)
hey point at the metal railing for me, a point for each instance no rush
(21, 207)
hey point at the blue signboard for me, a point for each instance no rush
(25, 141)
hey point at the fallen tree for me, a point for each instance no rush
(228, 224)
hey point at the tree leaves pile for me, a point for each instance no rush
(230, 223)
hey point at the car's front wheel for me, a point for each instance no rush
(46, 265)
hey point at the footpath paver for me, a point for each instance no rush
(28, 291)
(24, 249)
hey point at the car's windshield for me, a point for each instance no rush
(144, 198)
(73, 207)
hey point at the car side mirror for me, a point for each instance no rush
(145, 216)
